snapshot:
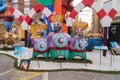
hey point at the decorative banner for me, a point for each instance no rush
(18, 50)
(27, 20)
(60, 40)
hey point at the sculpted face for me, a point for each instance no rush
(41, 32)
(57, 26)
(78, 31)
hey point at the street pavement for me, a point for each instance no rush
(79, 75)
(6, 63)
(7, 72)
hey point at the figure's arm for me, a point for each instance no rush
(49, 37)
(67, 36)
(33, 40)
(72, 42)
(86, 44)
(74, 39)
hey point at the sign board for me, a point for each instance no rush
(114, 45)
(101, 47)
(18, 50)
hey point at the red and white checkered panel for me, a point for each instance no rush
(96, 6)
(106, 21)
(79, 7)
(38, 8)
(32, 13)
(17, 14)
(112, 13)
(88, 2)
(35, 10)
(48, 13)
(91, 3)
(101, 13)
(27, 20)
(105, 17)
(70, 22)
(117, 8)
(25, 26)
(21, 18)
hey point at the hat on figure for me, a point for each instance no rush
(43, 26)
(56, 18)
(56, 22)
(80, 25)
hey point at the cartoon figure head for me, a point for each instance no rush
(79, 26)
(42, 28)
(57, 22)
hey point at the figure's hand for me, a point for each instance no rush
(50, 34)
(70, 46)
(76, 36)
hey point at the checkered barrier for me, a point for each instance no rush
(105, 17)
(26, 20)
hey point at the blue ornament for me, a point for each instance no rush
(2, 5)
(80, 45)
(42, 46)
(60, 40)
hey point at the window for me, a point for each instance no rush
(26, 6)
(15, 3)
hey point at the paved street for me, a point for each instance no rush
(7, 72)
(64, 75)
(73, 75)
(6, 63)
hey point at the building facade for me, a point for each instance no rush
(23, 5)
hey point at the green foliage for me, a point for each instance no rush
(7, 49)
(62, 60)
